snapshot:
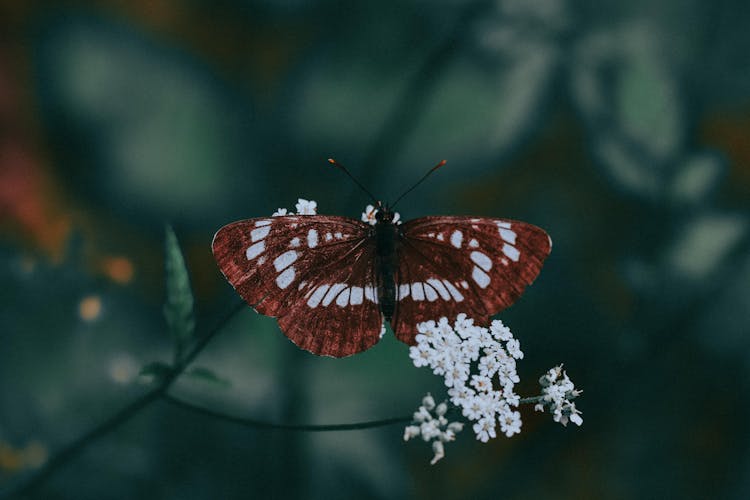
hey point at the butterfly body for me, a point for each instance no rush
(387, 238)
(331, 281)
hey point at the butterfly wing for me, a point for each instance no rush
(452, 265)
(314, 273)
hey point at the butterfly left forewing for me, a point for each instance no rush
(478, 266)
(300, 269)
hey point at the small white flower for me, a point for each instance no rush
(410, 432)
(430, 429)
(510, 422)
(485, 429)
(481, 383)
(456, 427)
(575, 417)
(420, 355)
(500, 331)
(439, 450)
(369, 215)
(281, 211)
(558, 391)
(441, 409)
(422, 415)
(306, 207)
(435, 428)
(514, 348)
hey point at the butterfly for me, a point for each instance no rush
(331, 281)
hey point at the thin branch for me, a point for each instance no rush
(72, 450)
(262, 424)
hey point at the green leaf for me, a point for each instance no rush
(155, 372)
(178, 309)
(207, 375)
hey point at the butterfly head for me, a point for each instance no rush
(384, 213)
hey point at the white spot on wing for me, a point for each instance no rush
(333, 292)
(285, 279)
(511, 252)
(506, 225)
(259, 233)
(263, 223)
(473, 243)
(285, 260)
(302, 285)
(417, 291)
(338, 236)
(481, 260)
(329, 236)
(430, 292)
(255, 249)
(356, 295)
(343, 298)
(371, 294)
(508, 235)
(437, 285)
(440, 236)
(482, 278)
(456, 238)
(453, 291)
(465, 285)
(317, 296)
(312, 238)
(403, 291)
(294, 243)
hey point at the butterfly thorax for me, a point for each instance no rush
(386, 241)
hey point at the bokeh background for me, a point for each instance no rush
(621, 127)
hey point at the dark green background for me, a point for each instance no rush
(622, 128)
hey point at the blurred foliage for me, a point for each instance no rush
(178, 309)
(619, 127)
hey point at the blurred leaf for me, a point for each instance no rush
(705, 243)
(155, 372)
(208, 375)
(629, 96)
(178, 309)
(697, 177)
(648, 107)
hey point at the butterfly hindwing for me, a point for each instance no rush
(449, 265)
(314, 273)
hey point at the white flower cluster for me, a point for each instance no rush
(369, 216)
(469, 357)
(304, 207)
(558, 392)
(435, 428)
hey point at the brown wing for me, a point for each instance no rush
(472, 265)
(312, 272)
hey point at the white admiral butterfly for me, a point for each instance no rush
(330, 281)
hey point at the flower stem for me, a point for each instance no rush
(263, 424)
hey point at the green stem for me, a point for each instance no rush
(531, 399)
(262, 424)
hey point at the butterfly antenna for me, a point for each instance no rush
(442, 162)
(340, 166)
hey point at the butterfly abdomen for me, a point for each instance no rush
(386, 239)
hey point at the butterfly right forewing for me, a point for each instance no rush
(474, 265)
